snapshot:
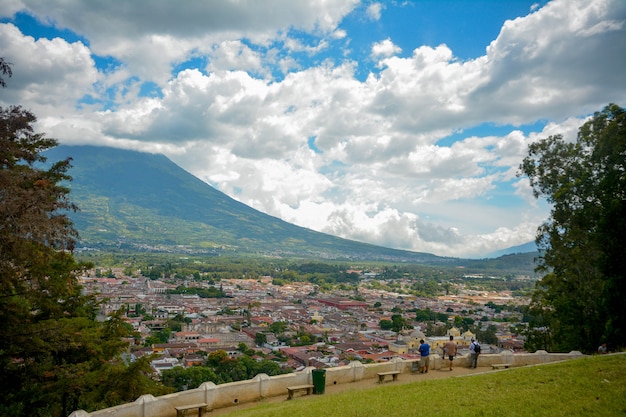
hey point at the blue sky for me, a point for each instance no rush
(398, 123)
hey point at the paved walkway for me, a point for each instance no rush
(404, 378)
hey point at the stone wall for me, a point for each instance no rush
(263, 386)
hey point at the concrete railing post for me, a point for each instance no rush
(264, 384)
(357, 370)
(507, 357)
(147, 398)
(398, 364)
(208, 389)
(80, 413)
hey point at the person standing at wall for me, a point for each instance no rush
(474, 352)
(424, 351)
(450, 350)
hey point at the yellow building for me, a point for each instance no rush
(399, 346)
(436, 343)
(316, 316)
(413, 340)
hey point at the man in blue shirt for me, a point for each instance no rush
(424, 351)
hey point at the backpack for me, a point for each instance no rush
(476, 348)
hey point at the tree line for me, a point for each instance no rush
(219, 368)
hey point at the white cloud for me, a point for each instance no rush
(339, 34)
(149, 37)
(49, 75)
(374, 11)
(549, 69)
(385, 48)
(295, 45)
(380, 172)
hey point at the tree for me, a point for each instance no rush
(160, 336)
(466, 322)
(182, 379)
(216, 357)
(488, 336)
(260, 339)
(579, 301)
(53, 353)
(123, 383)
(398, 323)
(278, 327)
(385, 324)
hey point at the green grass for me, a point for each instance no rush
(590, 386)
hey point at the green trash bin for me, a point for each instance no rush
(319, 380)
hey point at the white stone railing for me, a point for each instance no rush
(263, 386)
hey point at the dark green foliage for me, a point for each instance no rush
(396, 324)
(219, 369)
(53, 353)
(182, 379)
(260, 339)
(278, 327)
(580, 301)
(312, 267)
(158, 337)
(210, 292)
(399, 323)
(121, 383)
(487, 336)
(385, 324)
(429, 315)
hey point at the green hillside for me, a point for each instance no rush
(143, 202)
(590, 386)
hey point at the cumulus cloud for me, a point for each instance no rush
(385, 48)
(381, 169)
(551, 69)
(150, 37)
(234, 55)
(47, 74)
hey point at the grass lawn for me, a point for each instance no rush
(590, 386)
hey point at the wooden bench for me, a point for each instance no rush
(292, 390)
(382, 375)
(181, 410)
(500, 365)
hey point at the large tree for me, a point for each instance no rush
(579, 302)
(53, 353)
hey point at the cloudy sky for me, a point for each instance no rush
(398, 123)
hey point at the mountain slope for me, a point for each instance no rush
(524, 248)
(145, 201)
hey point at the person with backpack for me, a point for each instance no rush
(474, 352)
